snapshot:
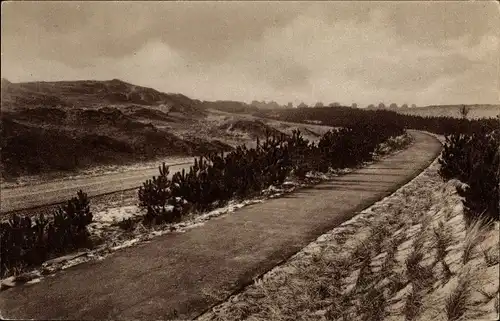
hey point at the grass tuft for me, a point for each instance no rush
(473, 237)
(372, 307)
(413, 303)
(365, 277)
(456, 303)
(443, 240)
(412, 262)
(490, 258)
(396, 284)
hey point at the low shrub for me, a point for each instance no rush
(27, 242)
(127, 224)
(156, 196)
(474, 159)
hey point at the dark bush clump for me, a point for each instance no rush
(474, 160)
(27, 242)
(156, 195)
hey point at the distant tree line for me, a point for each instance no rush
(345, 116)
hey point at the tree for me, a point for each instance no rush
(413, 106)
(273, 105)
(464, 111)
(371, 106)
(319, 104)
(404, 106)
(302, 105)
(290, 105)
(334, 105)
(393, 106)
(354, 105)
(381, 106)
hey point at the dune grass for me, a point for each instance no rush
(456, 303)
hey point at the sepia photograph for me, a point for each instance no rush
(250, 160)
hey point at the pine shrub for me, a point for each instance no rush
(474, 159)
(27, 242)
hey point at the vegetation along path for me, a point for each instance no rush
(180, 275)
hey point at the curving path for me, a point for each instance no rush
(180, 275)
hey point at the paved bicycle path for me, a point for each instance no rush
(180, 275)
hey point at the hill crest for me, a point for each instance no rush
(92, 94)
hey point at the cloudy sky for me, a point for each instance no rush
(364, 52)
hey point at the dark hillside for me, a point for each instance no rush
(67, 125)
(90, 94)
(30, 149)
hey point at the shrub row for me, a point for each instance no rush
(474, 159)
(470, 153)
(27, 242)
(216, 178)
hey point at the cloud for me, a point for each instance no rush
(324, 51)
(359, 61)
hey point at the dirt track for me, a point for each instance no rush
(53, 192)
